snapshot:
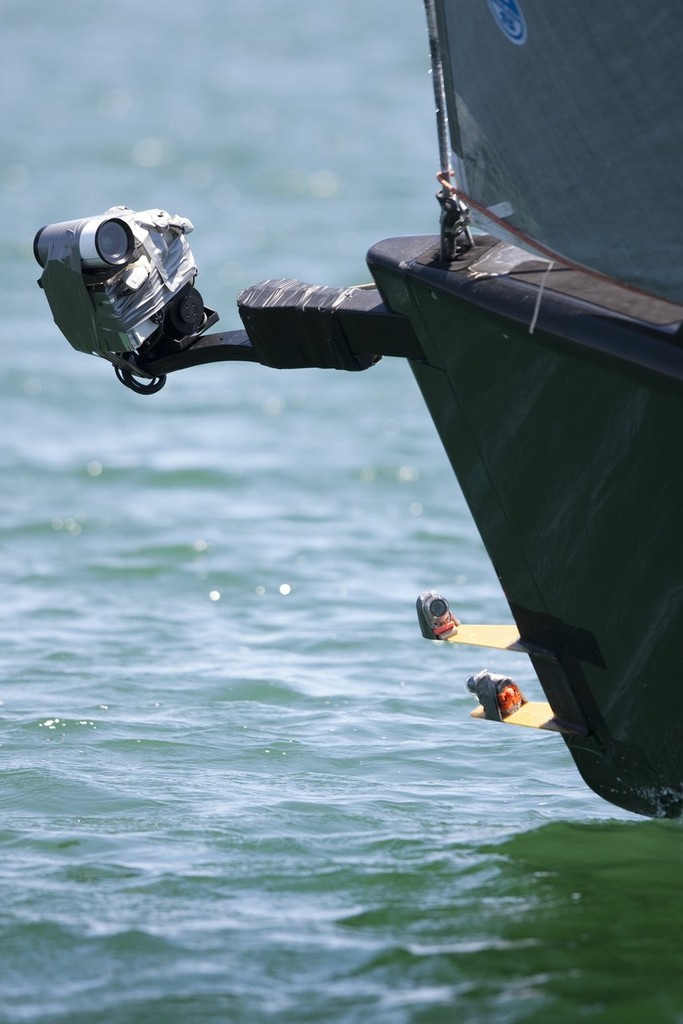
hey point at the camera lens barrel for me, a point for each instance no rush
(100, 241)
(106, 242)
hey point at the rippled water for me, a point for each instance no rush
(236, 783)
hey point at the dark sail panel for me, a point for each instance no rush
(567, 121)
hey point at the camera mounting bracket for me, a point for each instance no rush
(289, 324)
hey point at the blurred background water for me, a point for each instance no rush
(236, 784)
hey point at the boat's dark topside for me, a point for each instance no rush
(491, 257)
(566, 306)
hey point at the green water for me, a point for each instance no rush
(236, 784)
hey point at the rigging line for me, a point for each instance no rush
(439, 89)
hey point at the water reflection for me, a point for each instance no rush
(595, 912)
(563, 923)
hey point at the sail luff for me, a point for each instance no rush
(568, 122)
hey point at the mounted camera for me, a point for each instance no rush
(121, 285)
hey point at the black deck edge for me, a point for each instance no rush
(585, 329)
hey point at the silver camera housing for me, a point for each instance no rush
(114, 279)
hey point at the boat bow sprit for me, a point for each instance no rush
(548, 348)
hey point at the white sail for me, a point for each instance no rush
(567, 122)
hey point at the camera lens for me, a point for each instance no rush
(106, 242)
(113, 241)
(438, 607)
(97, 241)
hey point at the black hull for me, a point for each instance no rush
(559, 400)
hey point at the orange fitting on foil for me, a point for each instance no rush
(510, 699)
(448, 627)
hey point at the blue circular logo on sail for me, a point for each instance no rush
(510, 20)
